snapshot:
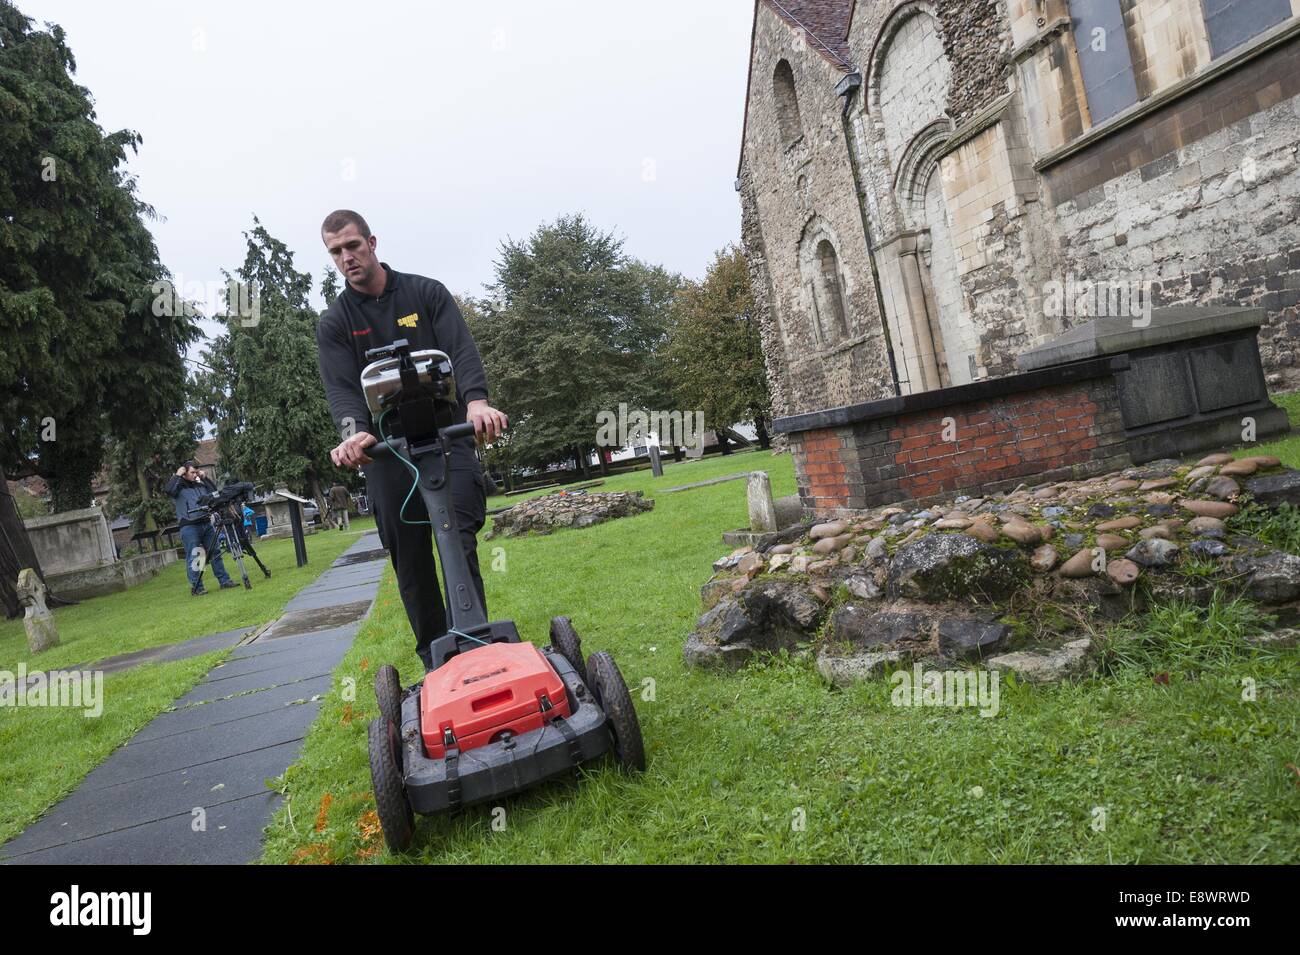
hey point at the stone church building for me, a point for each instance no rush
(919, 179)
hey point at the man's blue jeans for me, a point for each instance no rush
(202, 536)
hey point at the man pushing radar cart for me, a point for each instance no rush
(493, 714)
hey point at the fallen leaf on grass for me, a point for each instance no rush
(322, 816)
(318, 853)
(369, 825)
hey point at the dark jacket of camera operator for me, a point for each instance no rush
(185, 495)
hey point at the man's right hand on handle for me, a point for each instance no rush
(351, 453)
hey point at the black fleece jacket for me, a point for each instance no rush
(413, 307)
(185, 496)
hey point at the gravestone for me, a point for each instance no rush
(71, 541)
(656, 465)
(278, 520)
(762, 509)
(41, 632)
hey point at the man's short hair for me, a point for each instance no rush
(340, 219)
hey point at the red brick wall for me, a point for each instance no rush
(1046, 434)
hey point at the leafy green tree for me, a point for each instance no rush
(83, 354)
(570, 328)
(81, 350)
(329, 286)
(715, 351)
(138, 469)
(263, 390)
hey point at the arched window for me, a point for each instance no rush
(829, 293)
(787, 103)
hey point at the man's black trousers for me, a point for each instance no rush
(410, 546)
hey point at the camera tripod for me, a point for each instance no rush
(230, 529)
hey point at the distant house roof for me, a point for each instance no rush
(825, 22)
(206, 453)
(33, 485)
(37, 486)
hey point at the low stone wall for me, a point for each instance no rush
(1058, 424)
(541, 515)
(1016, 581)
(109, 578)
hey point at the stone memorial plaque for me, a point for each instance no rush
(1155, 388)
(1226, 374)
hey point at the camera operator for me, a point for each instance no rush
(186, 487)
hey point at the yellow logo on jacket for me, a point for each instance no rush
(408, 321)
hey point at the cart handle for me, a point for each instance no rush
(380, 449)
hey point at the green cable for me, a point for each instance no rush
(462, 633)
(401, 512)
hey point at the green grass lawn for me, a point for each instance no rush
(49, 750)
(161, 610)
(1287, 450)
(770, 765)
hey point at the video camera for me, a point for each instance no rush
(229, 523)
(236, 493)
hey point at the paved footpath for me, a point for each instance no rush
(215, 749)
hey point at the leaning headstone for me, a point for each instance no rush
(762, 509)
(656, 466)
(41, 632)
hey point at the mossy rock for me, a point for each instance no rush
(955, 567)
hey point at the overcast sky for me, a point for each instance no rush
(449, 126)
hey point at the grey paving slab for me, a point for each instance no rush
(328, 598)
(263, 672)
(291, 646)
(309, 658)
(265, 702)
(333, 586)
(355, 556)
(156, 757)
(322, 618)
(270, 643)
(365, 543)
(233, 835)
(366, 570)
(252, 682)
(92, 812)
(302, 654)
(342, 583)
(354, 572)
